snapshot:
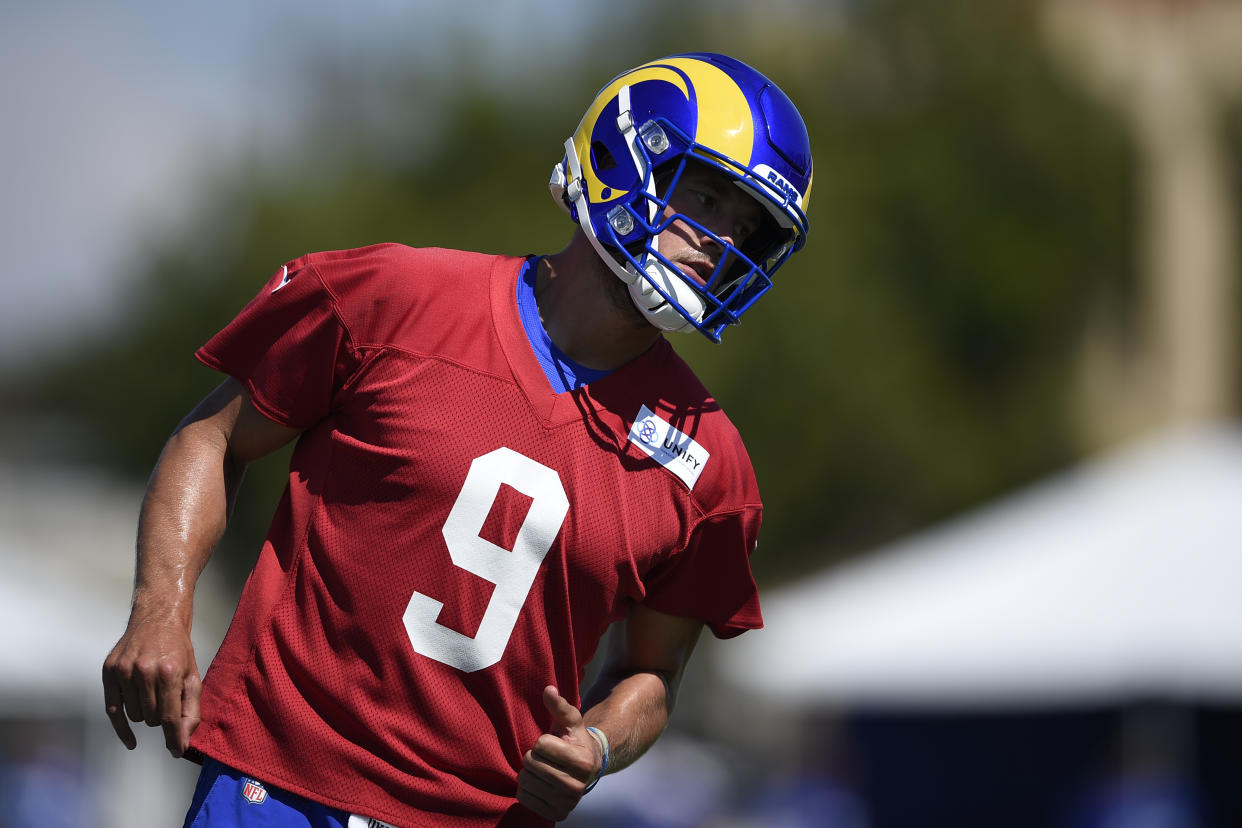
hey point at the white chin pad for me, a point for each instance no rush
(653, 306)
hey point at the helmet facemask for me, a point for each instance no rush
(628, 241)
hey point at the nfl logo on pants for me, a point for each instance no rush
(254, 792)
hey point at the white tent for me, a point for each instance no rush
(1121, 578)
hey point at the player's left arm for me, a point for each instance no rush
(633, 697)
(629, 704)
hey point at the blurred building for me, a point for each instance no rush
(66, 548)
(1070, 642)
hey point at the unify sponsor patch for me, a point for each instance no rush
(675, 451)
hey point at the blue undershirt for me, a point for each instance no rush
(562, 372)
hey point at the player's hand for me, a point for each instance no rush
(151, 676)
(556, 771)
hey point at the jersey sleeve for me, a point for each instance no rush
(711, 579)
(288, 347)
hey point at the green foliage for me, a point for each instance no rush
(966, 207)
(914, 359)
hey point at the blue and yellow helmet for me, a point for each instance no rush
(624, 162)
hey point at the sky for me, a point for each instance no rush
(113, 112)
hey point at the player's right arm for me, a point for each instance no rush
(151, 675)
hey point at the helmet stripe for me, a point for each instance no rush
(726, 124)
(582, 136)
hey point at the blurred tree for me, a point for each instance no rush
(919, 356)
(916, 358)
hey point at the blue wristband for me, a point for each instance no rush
(603, 743)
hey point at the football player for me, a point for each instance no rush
(497, 460)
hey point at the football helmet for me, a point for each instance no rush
(623, 164)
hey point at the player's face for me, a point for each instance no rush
(710, 198)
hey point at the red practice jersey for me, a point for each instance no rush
(455, 535)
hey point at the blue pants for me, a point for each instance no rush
(225, 798)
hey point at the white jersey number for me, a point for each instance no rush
(512, 571)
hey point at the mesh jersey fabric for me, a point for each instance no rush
(410, 370)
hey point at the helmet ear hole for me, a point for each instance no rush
(601, 157)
